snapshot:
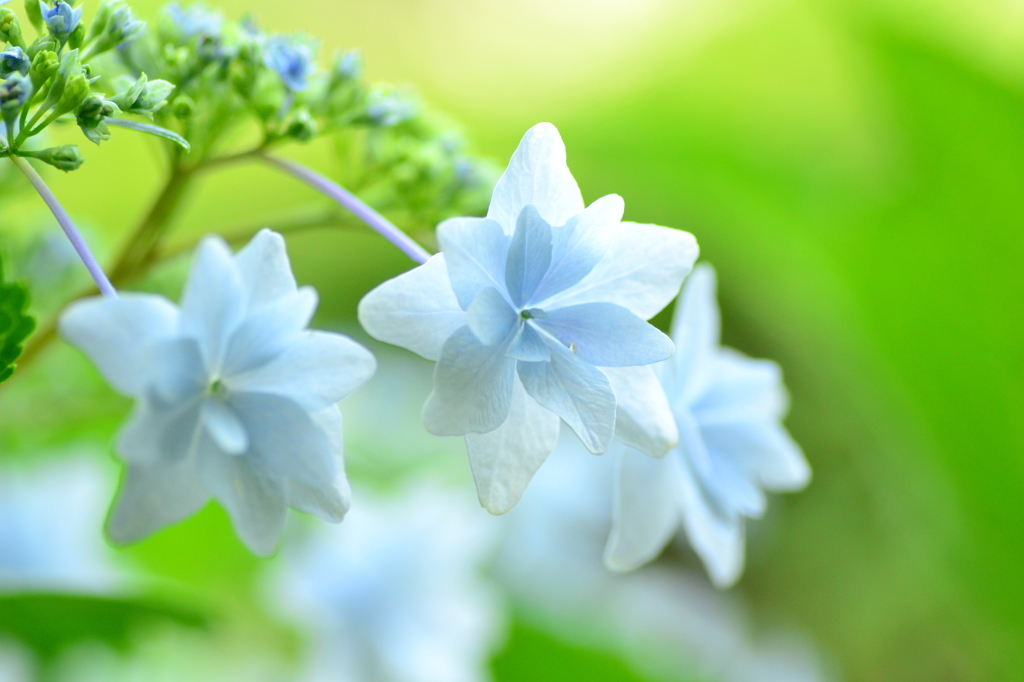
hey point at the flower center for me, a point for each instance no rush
(217, 389)
(532, 314)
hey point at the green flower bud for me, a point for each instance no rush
(183, 107)
(77, 37)
(34, 14)
(44, 66)
(43, 43)
(144, 97)
(114, 24)
(66, 157)
(92, 115)
(10, 29)
(75, 92)
(301, 125)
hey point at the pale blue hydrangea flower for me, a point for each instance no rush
(395, 594)
(62, 19)
(534, 313)
(195, 20)
(50, 520)
(732, 446)
(292, 58)
(236, 399)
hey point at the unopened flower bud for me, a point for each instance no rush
(44, 66)
(114, 24)
(10, 28)
(301, 126)
(33, 11)
(292, 59)
(14, 92)
(183, 107)
(43, 44)
(77, 37)
(144, 97)
(66, 157)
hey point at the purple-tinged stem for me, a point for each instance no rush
(352, 203)
(104, 285)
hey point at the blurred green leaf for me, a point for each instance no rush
(15, 324)
(49, 622)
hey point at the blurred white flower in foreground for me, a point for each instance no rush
(731, 446)
(236, 399)
(664, 619)
(16, 662)
(394, 594)
(525, 309)
(50, 521)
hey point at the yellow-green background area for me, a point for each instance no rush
(855, 170)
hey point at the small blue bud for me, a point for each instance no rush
(14, 92)
(61, 19)
(14, 59)
(387, 108)
(292, 59)
(348, 66)
(195, 20)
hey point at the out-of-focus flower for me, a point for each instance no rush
(235, 397)
(292, 58)
(16, 662)
(665, 620)
(14, 59)
(394, 594)
(194, 20)
(732, 445)
(50, 521)
(522, 310)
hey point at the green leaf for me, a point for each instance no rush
(49, 622)
(151, 129)
(15, 324)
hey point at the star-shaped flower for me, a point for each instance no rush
(523, 310)
(236, 399)
(732, 447)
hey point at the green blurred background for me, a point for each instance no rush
(854, 169)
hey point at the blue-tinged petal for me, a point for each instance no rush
(176, 371)
(329, 499)
(537, 175)
(529, 256)
(475, 250)
(741, 388)
(316, 371)
(642, 269)
(762, 448)
(730, 486)
(529, 345)
(115, 332)
(224, 427)
(472, 387)
(607, 335)
(643, 417)
(490, 318)
(716, 537)
(417, 310)
(578, 246)
(696, 327)
(213, 304)
(268, 331)
(253, 498)
(286, 442)
(645, 509)
(154, 496)
(504, 460)
(265, 269)
(156, 432)
(577, 392)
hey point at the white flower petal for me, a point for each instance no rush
(253, 498)
(578, 246)
(329, 500)
(472, 387)
(643, 418)
(718, 539)
(696, 327)
(317, 370)
(475, 250)
(224, 427)
(176, 370)
(285, 439)
(577, 392)
(607, 335)
(489, 317)
(504, 460)
(642, 269)
(115, 332)
(158, 433)
(536, 176)
(213, 304)
(762, 448)
(153, 496)
(267, 332)
(417, 310)
(645, 513)
(529, 256)
(741, 388)
(265, 269)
